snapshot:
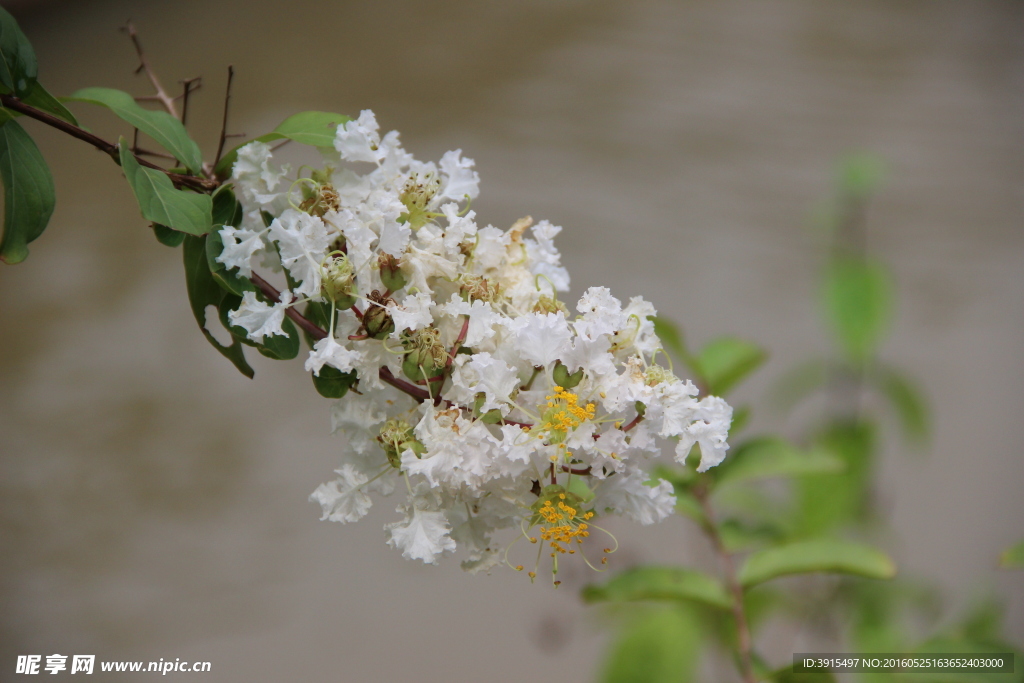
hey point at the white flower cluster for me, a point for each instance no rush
(476, 391)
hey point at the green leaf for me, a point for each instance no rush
(203, 291)
(770, 456)
(332, 382)
(316, 128)
(165, 130)
(857, 304)
(29, 196)
(739, 537)
(660, 646)
(280, 347)
(1013, 557)
(660, 583)
(161, 203)
(168, 237)
(829, 501)
(226, 209)
(18, 67)
(820, 555)
(906, 400)
(227, 279)
(39, 98)
(798, 383)
(671, 337)
(723, 362)
(318, 313)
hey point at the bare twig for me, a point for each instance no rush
(110, 149)
(187, 84)
(735, 589)
(166, 100)
(224, 121)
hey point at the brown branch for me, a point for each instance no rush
(166, 100)
(636, 420)
(735, 589)
(110, 149)
(198, 80)
(224, 120)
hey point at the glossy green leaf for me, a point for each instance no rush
(318, 313)
(315, 128)
(166, 131)
(906, 400)
(660, 583)
(203, 291)
(29, 196)
(857, 304)
(767, 457)
(161, 203)
(39, 98)
(226, 209)
(168, 237)
(1013, 557)
(658, 646)
(724, 362)
(227, 279)
(18, 67)
(819, 555)
(333, 383)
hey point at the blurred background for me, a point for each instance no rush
(153, 501)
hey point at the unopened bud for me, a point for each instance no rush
(391, 272)
(376, 320)
(427, 357)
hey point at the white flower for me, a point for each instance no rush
(328, 351)
(359, 140)
(424, 533)
(254, 177)
(541, 338)
(412, 314)
(239, 246)
(343, 500)
(629, 494)
(258, 318)
(302, 240)
(462, 180)
(710, 431)
(483, 373)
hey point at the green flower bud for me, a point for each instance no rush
(396, 437)
(376, 320)
(562, 377)
(391, 272)
(656, 375)
(478, 288)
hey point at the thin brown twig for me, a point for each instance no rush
(739, 613)
(198, 80)
(166, 100)
(224, 120)
(110, 149)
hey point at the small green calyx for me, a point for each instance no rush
(338, 281)
(396, 437)
(478, 288)
(547, 304)
(416, 196)
(427, 357)
(391, 272)
(560, 374)
(318, 195)
(376, 320)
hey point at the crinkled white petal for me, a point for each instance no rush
(413, 313)
(462, 180)
(541, 338)
(483, 373)
(258, 318)
(359, 140)
(629, 494)
(343, 500)
(423, 534)
(328, 351)
(240, 245)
